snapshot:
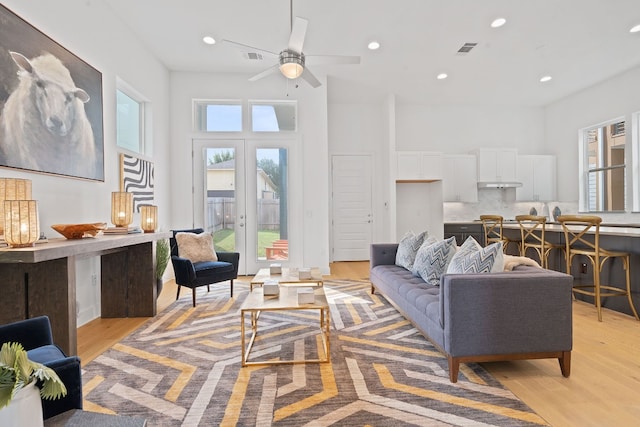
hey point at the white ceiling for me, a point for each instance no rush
(578, 42)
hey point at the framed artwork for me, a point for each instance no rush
(50, 105)
(136, 176)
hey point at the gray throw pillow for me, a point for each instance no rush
(407, 249)
(433, 259)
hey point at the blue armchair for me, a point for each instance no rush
(193, 275)
(35, 336)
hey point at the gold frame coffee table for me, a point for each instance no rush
(256, 303)
(289, 276)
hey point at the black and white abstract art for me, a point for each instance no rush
(136, 176)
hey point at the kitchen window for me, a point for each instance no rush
(603, 168)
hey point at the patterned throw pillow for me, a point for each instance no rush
(480, 261)
(196, 247)
(471, 245)
(407, 249)
(432, 259)
(427, 242)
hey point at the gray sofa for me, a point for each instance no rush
(521, 314)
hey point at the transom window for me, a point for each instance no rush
(227, 116)
(273, 116)
(217, 116)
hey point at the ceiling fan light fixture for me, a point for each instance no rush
(291, 64)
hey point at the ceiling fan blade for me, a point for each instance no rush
(331, 59)
(264, 73)
(310, 78)
(298, 32)
(247, 47)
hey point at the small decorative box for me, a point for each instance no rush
(275, 269)
(304, 273)
(271, 287)
(306, 296)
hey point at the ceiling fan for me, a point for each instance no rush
(292, 61)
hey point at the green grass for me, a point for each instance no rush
(224, 240)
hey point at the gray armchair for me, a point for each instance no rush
(193, 275)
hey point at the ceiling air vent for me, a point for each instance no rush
(466, 48)
(254, 56)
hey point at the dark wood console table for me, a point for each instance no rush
(42, 281)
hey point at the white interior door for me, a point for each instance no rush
(352, 218)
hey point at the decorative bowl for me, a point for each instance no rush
(78, 231)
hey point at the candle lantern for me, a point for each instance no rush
(121, 208)
(21, 224)
(13, 189)
(148, 218)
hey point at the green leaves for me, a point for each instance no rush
(162, 257)
(17, 371)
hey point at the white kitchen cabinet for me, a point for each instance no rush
(497, 164)
(537, 173)
(418, 166)
(459, 178)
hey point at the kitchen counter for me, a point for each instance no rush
(619, 237)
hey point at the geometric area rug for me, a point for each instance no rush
(182, 368)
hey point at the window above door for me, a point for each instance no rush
(227, 116)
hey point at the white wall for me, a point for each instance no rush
(616, 97)
(457, 129)
(361, 129)
(312, 133)
(92, 32)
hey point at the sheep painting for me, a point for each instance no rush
(43, 125)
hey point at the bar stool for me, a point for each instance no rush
(532, 230)
(576, 228)
(492, 225)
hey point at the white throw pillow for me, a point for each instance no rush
(433, 258)
(407, 249)
(196, 247)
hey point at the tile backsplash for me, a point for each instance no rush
(503, 202)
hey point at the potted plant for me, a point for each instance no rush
(162, 260)
(19, 396)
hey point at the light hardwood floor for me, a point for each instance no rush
(603, 389)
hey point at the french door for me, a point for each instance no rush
(243, 197)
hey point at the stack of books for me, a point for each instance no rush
(132, 229)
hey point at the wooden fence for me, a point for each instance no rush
(221, 213)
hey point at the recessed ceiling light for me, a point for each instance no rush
(442, 76)
(373, 45)
(209, 40)
(545, 79)
(635, 29)
(498, 22)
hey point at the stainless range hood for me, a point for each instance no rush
(499, 184)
